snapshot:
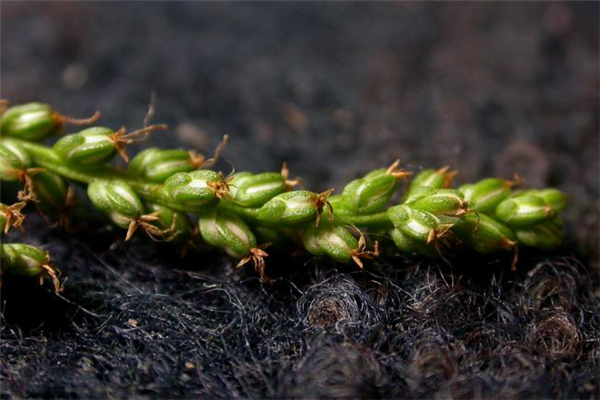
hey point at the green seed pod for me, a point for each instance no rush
(290, 208)
(418, 193)
(369, 195)
(446, 202)
(412, 246)
(157, 165)
(194, 188)
(117, 199)
(417, 224)
(484, 234)
(484, 196)
(437, 179)
(174, 225)
(524, 210)
(13, 158)
(33, 121)
(50, 191)
(255, 190)
(23, 259)
(544, 236)
(553, 197)
(36, 121)
(93, 146)
(227, 231)
(330, 239)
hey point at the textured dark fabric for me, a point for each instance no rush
(334, 89)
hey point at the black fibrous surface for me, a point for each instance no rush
(334, 89)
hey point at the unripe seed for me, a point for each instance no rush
(50, 191)
(26, 260)
(13, 158)
(227, 231)
(157, 165)
(524, 210)
(255, 190)
(485, 195)
(331, 239)
(194, 188)
(437, 179)
(419, 192)
(446, 202)
(290, 208)
(544, 236)
(410, 245)
(553, 197)
(369, 195)
(416, 224)
(117, 199)
(484, 234)
(92, 147)
(36, 121)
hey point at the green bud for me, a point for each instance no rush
(330, 239)
(446, 202)
(368, 195)
(484, 234)
(173, 226)
(485, 195)
(524, 210)
(544, 236)
(194, 188)
(36, 121)
(227, 231)
(116, 199)
(418, 193)
(23, 259)
(255, 190)
(417, 224)
(13, 158)
(157, 165)
(410, 245)
(437, 179)
(290, 208)
(50, 190)
(33, 121)
(92, 146)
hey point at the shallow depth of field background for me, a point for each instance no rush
(335, 90)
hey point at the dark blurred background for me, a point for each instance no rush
(335, 89)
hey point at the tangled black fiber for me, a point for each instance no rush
(137, 322)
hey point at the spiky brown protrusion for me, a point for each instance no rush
(257, 256)
(361, 251)
(14, 217)
(121, 138)
(221, 187)
(289, 183)
(321, 201)
(217, 154)
(396, 172)
(448, 176)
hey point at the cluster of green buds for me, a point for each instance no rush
(173, 195)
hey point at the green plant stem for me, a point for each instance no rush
(152, 192)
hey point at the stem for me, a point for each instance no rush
(378, 220)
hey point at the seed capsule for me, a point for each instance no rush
(26, 260)
(92, 146)
(553, 197)
(485, 195)
(157, 165)
(442, 202)
(410, 245)
(117, 199)
(437, 179)
(227, 231)
(544, 236)
(419, 225)
(194, 188)
(36, 121)
(255, 190)
(484, 234)
(296, 207)
(524, 210)
(50, 191)
(331, 239)
(13, 158)
(98, 145)
(371, 193)
(173, 226)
